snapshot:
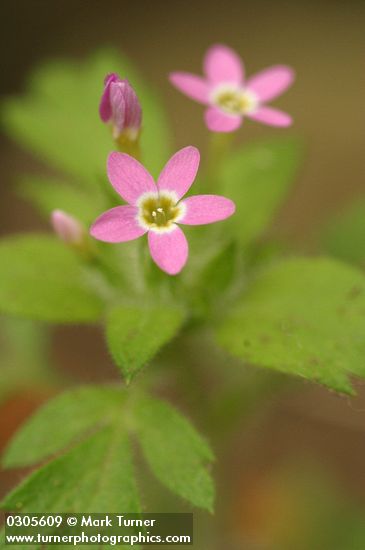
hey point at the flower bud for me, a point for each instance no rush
(120, 107)
(68, 228)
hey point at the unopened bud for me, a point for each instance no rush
(119, 106)
(68, 228)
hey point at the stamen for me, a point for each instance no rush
(159, 211)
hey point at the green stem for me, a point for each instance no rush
(218, 148)
(130, 146)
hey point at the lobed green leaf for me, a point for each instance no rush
(135, 334)
(96, 475)
(91, 427)
(302, 317)
(61, 422)
(175, 452)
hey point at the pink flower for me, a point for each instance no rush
(229, 97)
(68, 228)
(119, 106)
(156, 209)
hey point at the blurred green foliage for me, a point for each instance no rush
(344, 234)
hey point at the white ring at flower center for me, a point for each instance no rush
(234, 100)
(147, 209)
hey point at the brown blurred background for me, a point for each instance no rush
(325, 42)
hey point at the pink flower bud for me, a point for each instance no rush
(67, 228)
(119, 106)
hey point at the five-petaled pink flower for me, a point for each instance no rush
(156, 209)
(119, 106)
(229, 97)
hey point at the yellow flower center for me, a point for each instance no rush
(234, 101)
(159, 211)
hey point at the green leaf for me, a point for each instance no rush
(303, 317)
(344, 234)
(95, 475)
(41, 278)
(257, 179)
(175, 452)
(135, 334)
(93, 425)
(59, 121)
(48, 194)
(60, 422)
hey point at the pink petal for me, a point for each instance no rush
(180, 171)
(270, 83)
(169, 250)
(202, 209)
(221, 64)
(218, 121)
(118, 106)
(128, 177)
(272, 117)
(133, 110)
(105, 109)
(193, 86)
(117, 225)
